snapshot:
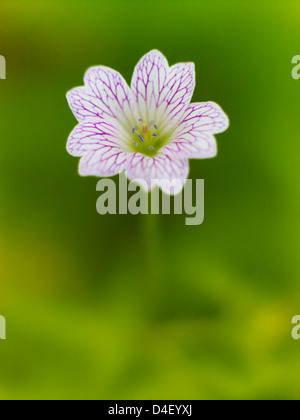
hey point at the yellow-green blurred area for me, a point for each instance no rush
(144, 307)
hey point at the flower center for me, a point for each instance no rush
(146, 138)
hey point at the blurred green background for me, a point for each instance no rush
(142, 307)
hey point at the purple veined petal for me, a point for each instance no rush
(162, 92)
(204, 116)
(160, 167)
(83, 103)
(94, 133)
(105, 94)
(194, 136)
(176, 95)
(194, 145)
(104, 162)
(99, 144)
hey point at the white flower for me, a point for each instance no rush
(149, 130)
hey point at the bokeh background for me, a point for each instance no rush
(142, 307)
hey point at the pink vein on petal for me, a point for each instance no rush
(105, 94)
(194, 136)
(162, 93)
(100, 147)
(157, 168)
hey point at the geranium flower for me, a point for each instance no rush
(149, 130)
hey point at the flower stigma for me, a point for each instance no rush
(146, 138)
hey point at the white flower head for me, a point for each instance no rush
(149, 130)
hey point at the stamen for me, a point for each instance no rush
(145, 132)
(145, 128)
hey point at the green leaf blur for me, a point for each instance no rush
(142, 307)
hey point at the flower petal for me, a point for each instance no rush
(99, 144)
(162, 92)
(206, 116)
(194, 136)
(106, 161)
(83, 103)
(105, 94)
(160, 169)
(193, 145)
(92, 134)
